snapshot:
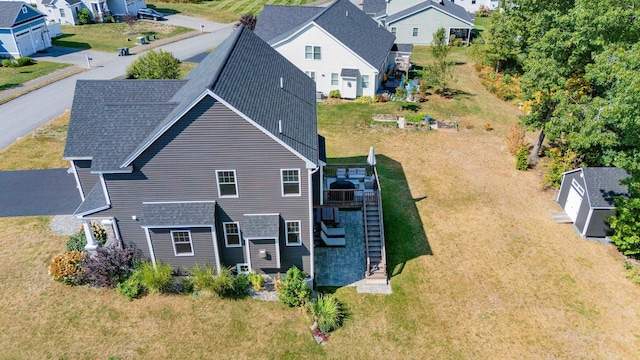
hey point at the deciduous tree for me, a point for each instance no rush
(155, 65)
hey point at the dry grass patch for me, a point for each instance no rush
(41, 149)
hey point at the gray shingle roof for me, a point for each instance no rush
(114, 121)
(446, 6)
(11, 14)
(343, 20)
(603, 185)
(178, 214)
(404, 48)
(110, 118)
(374, 7)
(354, 73)
(261, 226)
(245, 56)
(94, 202)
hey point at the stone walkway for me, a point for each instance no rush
(343, 266)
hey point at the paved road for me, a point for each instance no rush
(21, 116)
(38, 192)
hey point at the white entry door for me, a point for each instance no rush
(349, 87)
(574, 200)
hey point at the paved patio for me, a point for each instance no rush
(342, 266)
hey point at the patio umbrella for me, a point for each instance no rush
(371, 159)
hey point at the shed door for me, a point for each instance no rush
(574, 200)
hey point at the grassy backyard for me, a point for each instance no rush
(478, 268)
(109, 37)
(222, 11)
(14, 77)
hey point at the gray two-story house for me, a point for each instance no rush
(216, 168)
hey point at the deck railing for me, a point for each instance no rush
(383, 262)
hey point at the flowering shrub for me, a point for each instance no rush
(66, 267)
(107, 267)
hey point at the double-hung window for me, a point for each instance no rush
(312, 52)
(232, 234)
(393, 30)
(227, 183)
(311, 74)
(62, 13)
(415, 31)
(334, 79)
(293, 233)
(182, 244)
(291, 182)
(365, 81)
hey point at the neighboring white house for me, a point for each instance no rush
(415, 21)
(23, 30)
(66, 11)
(338, 46)
(474, 5)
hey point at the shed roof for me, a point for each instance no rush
(603, 185)
(200, 213)
(11, 13)
(447, 7)
(374, 7)
(352, 73)
(261, 226)
(343, 20)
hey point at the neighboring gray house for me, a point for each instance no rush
(65, 12)
(217, 168)
(23, 30)
(587, 197)
(415, 21)
(338, 46)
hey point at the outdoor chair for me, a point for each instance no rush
(332, 232)
(332, 241)
(341, 173)
(357, 173)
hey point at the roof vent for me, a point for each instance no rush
(281, 83)
(280, 126)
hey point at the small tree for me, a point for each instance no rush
(440, 73)
(84, 17)
(626, 225)
(130, 20)
(155, 65)
(248, 20)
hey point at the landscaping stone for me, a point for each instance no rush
(65, 225)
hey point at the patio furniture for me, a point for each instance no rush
(341, 173)
(332, 241)
(357, 173)
(332, 232)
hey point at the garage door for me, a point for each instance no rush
(574, 200)
(25, 45)
(39, 38)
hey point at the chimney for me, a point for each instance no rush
(280, 126)
(281, 83)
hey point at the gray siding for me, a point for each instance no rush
(599, 224)
(201, 239)
(181, 166)
(268, 265)
(87, 179)
(583, 213)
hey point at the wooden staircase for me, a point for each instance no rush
(374, 243)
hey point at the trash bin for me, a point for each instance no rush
(146, 37)
(120, 51)
(153, 36)
(126, 51)
(140, 40)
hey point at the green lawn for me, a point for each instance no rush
(478, 268)
(109, 37)
(223, 11)
(13, 77)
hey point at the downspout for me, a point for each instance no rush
(311, 240)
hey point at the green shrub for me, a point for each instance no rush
(295, 291)
(154, 64)
(335, 94)
(559, 163)
(327, 312)
(483, 11)
(241, 283)
(132, 287)
(25, 61)
(99, 233)
(522, 161)
(415, 118)
(110, 19)
(84, 17)
(203, 278)
(9, 63)
(186, 286)
(156, 280)
(77, 241)
(66, 267)
(363, 100)
(223, 283)
(401, 94)
(257, 281)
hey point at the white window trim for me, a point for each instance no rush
(311, 74)
(24, 10)
(239, 266)
(286, 240)
(282, 182)
(337, 79)
(313, 52)
(415, 32)
(362, 82)
(173, 242)
(226, 242)
(394, 30)
(235, 177)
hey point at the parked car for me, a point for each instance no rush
(150, 14)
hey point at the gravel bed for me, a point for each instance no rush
(65, 225)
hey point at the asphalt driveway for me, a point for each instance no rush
(38, 192)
